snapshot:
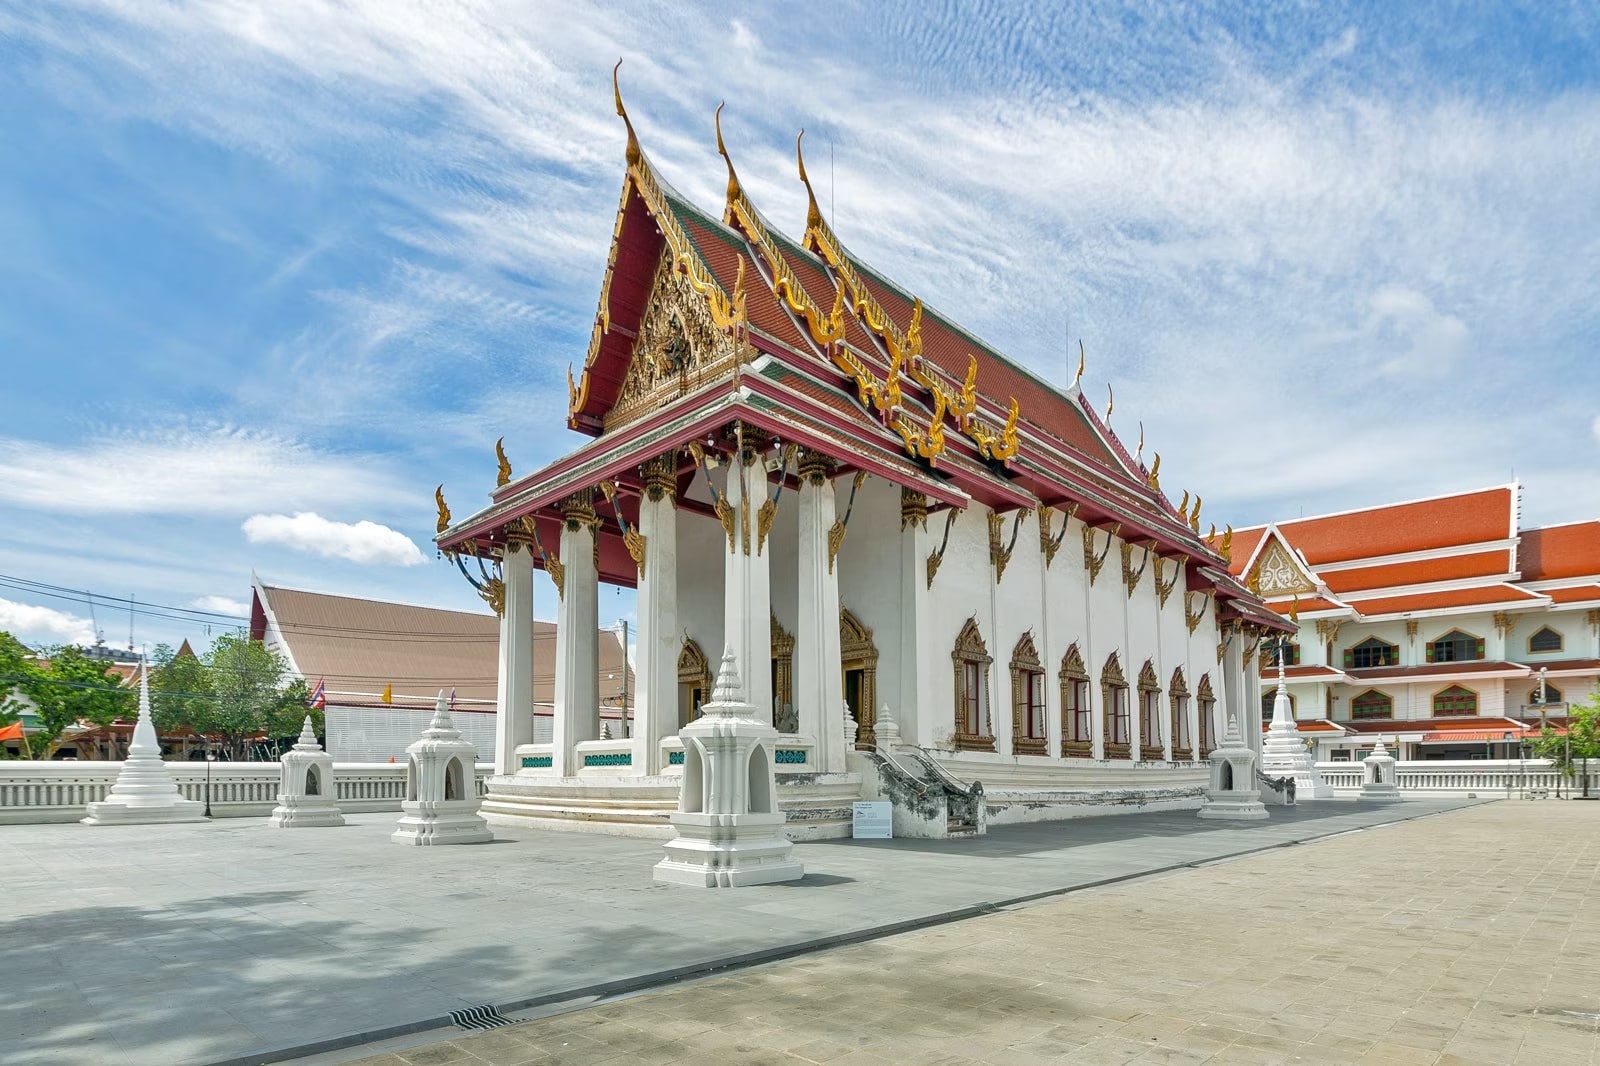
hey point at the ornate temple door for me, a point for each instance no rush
(858, 663)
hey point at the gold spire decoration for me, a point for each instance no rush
(444, 508)
(1154, 480)
(1226, 550)
(504, 476)
(1111, 402)
(1194, 516)
(734, 190)
(634, 154)
(1183, 506)
(1138, 453)
(1083, 358)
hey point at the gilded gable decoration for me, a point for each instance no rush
(1277, 573)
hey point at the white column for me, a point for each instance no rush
(818, 686)
(513, 704)
(656, 711)
(747, 593)
(577, 697)
(916, 675)
(1241, 696)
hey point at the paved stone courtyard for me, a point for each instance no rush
(229, 941)
(1470, 938)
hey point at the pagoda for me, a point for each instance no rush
(797, 459)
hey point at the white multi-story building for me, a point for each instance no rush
(1439, 624)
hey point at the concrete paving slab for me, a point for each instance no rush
(238, 942)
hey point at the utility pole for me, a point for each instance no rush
(627, 731)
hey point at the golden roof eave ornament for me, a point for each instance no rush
(1083, 358)
(444, 509)
(635, 155)
(1154, 478)
(503, 476)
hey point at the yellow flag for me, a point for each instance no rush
(388, 694)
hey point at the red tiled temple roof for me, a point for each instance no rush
(1553, 552)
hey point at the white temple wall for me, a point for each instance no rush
(1108, 628)
(1019, 609)
(783, 546)
(868, 569)
(1063, 588)
(1176, 650)
(961, 590)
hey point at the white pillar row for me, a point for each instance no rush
(747, 592)
(818, 682)
(513, 705)
(917, 701)
(656, 706)
(577, 695)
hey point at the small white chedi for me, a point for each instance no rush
(145, 790)
(1378, 782)
(306, 794)
(1283, 752)
(441, 804)
(1233, 794)
(730, 830)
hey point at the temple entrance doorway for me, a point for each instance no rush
(858, 662)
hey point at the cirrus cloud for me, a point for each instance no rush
(362, 542)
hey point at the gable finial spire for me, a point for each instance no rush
(813, 212)
(1082, 359)
(722, 150)
(634, 154)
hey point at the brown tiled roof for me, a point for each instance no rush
(1483, 596)
(1423, 572)
(1397, 528)
(359, 646)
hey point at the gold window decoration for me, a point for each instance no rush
(694, 682)
(1206, 706)
(971, 658)
(1118, 728)
(1077, 723)
(1027, 700)
(1150, 746)
(1178, 696)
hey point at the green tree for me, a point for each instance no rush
(232, 694)
(73, 688)
(16, 666)
(1581, 743)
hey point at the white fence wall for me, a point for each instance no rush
(60, 791)
(1482, 777)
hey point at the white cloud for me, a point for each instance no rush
(1422, 340)
(360, 542)
(1596, 427)
(44, 625)
(220, 470)
(221, 605)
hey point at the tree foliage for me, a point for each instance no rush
(66, 687)
(1580, 743)
(233, 693)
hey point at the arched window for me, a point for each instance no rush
(1150, 747)
(1114, 698)
(694, 682)
(1546, 639)
(971, 658)
(1178, 694)
(1551, 695)
(1206, 707)
(1455, 701)
(1027, 700)
(784, 717)
(1077, 730)
(1370, 653)
(1372, 704)
(1455, 647)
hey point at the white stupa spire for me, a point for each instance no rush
(145, 790)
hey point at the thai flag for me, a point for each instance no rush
(319, 696)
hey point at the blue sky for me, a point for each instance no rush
(270, 273)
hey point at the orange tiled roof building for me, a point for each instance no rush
(1439, 623)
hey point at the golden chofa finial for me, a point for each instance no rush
(1183, 506)
(1294, 610)
(1111, 402)
(1083, 358)
(1154, 479)
(1211, 537)
(634, 154)
(733, 179)
(504, 476)
(444, 509)
(1226, 551)
(813, 212)
(1194, 516)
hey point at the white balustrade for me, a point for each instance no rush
(60, 791)
(1482, 777)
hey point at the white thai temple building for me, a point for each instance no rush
(795, 458)
(1441, 625)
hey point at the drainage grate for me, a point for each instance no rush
(484, 1017)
